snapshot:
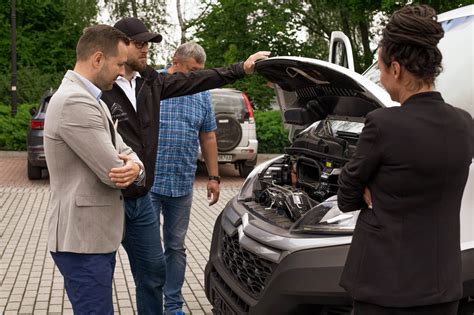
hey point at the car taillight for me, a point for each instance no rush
(37, 124)
(249, 108)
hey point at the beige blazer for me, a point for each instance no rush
(86, 212)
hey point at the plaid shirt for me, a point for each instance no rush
(181, 121)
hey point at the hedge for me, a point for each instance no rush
(13, 129)
(272, 136)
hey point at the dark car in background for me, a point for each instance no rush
(236, 135)
(36, 159)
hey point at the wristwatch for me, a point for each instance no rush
(139, 181)
(216, 178)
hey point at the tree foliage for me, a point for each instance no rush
(152, 13)
(232, 30)
(47, 33)
(361, 20)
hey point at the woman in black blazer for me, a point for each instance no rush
(407, 177)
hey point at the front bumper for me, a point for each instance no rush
(239, 281)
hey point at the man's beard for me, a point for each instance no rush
(136, 65)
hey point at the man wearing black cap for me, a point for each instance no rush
(134, 103)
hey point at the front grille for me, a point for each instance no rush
(251, 271)
(220, 307)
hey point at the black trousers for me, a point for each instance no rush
(362, 308)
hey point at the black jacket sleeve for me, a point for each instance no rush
(358, 172)
(179, 84)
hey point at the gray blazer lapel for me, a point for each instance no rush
(104, 110)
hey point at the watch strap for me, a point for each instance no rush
(216, 178)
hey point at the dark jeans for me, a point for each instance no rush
(88, 281)
(362, 308)
(176, 212)
(143, 245)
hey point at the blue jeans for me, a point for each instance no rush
(143, 245)
(176, 212)
(88, 281)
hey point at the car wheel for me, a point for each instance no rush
(34, 172)
(229, 132)
(245, 169)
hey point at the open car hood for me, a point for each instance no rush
(309, 90)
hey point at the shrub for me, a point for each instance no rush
(13, 129)
(272, 136)
(30, 86)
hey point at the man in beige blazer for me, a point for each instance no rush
(88, 164)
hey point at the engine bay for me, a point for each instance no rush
(289, 192)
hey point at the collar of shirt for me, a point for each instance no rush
(129, 87)
(94, 90)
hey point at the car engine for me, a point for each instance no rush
(305, 176)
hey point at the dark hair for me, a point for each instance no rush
(102, 38)
(410, 38)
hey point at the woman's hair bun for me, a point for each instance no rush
(414, 26)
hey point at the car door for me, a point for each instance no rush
(340, 50)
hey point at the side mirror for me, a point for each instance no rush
(33, 111)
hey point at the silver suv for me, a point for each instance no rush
(236, 136)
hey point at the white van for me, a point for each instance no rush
(279, 247)
(456, 84)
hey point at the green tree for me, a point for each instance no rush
(152, 13)
(361, 20)
(231, 30)
(47, 33)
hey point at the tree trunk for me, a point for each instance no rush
(134, 8)
(364, 32)
(181, 21)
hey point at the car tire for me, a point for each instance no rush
(229, 132)
(245, 169)
(34, 172)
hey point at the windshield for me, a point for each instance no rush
(337, 127)
(346, 126)
(373, 74)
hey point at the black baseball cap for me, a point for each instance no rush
(136, 30)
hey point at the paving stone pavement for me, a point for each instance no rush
(30, 282)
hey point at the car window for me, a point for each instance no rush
(44, 106)
(232, 103)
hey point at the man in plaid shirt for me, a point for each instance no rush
(185, 123)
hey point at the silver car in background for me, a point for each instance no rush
(236, 135)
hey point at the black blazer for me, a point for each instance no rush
(415, 160)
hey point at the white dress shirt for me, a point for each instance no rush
(129, 87)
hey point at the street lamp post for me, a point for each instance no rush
(13, 89)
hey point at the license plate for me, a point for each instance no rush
(224, 158)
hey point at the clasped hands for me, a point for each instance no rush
(125, 175)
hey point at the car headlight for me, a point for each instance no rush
(246, 192)
(327, 218)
